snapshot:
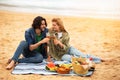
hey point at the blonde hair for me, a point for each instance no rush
(59, 23)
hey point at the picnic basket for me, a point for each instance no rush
(79, 68)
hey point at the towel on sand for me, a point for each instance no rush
(39, 68)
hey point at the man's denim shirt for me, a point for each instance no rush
(30, 35)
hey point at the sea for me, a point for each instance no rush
(78, 8)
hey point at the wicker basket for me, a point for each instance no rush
(78, 68)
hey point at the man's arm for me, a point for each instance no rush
(36, 45)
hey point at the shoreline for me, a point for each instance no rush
(93, 16)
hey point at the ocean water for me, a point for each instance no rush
(79, 8)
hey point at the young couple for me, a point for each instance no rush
(34, 48)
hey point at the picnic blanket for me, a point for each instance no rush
(39, 68)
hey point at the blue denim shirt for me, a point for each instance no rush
(30, 35)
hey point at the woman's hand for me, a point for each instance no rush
(57, 42)
(49, 59)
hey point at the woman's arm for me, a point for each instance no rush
(57, 42)
(63, 43)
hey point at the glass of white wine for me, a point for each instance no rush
(50, 36)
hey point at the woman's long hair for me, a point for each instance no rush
(59, 23)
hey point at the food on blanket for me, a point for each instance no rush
(51, 66)
(79, 69)
(82, 61)
(92, 66)
(91, 58)
(66, 65)
(91, 63)
(80, 66)
(63, 70)
(58, 67)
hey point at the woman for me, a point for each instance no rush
(59, 47)
(33, 50)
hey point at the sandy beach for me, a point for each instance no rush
(100, 37)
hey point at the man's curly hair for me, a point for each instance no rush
(38, 21)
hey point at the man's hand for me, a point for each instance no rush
(34, 46)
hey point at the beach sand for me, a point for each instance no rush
(100, 37)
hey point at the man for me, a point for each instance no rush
(33, 49)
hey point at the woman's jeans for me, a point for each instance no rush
(29, 56)
(76, 53)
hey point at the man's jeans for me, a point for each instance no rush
(29, 56)
(76, 53)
